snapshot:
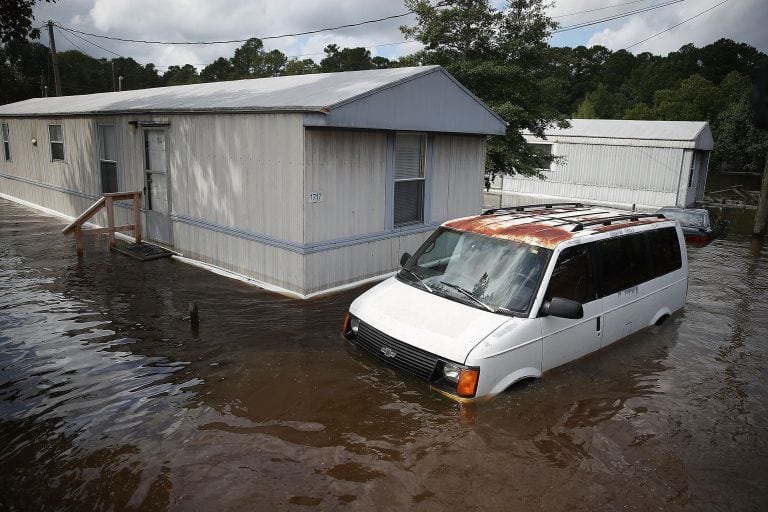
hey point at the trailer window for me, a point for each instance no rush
(6, 141)
(56, 136)
(410, 160)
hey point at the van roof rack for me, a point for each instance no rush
(607, 221)
(511, 209)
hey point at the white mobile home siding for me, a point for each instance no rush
(620, 163)
(286, 180)
(69, 186)
(349, 234)
(618, 175)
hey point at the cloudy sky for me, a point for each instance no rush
(206, 20)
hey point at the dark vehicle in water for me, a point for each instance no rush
(698, 227)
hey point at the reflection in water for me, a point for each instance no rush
(109, 399)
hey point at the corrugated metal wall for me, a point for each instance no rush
(350, 169)
(240, 190)
(627, 175)
(458, 164)
(31, 175)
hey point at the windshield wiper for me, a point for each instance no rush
(417, 277)
(469, 295)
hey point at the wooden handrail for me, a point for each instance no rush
(107, 201)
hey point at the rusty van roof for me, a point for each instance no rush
(547, 225)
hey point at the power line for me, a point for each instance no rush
(64, 35)
(308, 32)
(87, 41)
(616, 17)
(675, 26)
(598, 9)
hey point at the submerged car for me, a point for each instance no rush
(492, 299)
(698, 228)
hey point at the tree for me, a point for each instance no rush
(82, 74)
(741, 145)
(217, 71)
(16, 20)
(251, 61)
(347, 59)
(136, 76)
(301, 67)
(181, 75)
(502, 57)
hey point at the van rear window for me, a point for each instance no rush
(665, 251)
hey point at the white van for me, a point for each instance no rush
(509, 294)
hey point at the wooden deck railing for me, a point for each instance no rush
(107, 201)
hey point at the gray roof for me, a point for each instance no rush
(314, 93)
(688, 134)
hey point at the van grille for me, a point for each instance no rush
(400, 355)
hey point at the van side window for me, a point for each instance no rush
(572, 276)
(665, 251)
(624, 262)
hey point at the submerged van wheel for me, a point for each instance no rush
(661, 320)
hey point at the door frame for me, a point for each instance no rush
(148, 212)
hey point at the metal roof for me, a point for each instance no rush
(549, 225)
(313, 93)
(688, 134)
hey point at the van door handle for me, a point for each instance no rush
(598, 324)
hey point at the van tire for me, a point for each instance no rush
(661, 320)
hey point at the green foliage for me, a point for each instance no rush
(219, 70)
(301, 67)
(741, 145)
(251, 61)
(16, 20)
(181, 75)
(347, 59)
(503, 58)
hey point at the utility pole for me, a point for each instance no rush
(56, 77)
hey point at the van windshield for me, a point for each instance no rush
(489, 273)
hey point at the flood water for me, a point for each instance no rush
(110, 400)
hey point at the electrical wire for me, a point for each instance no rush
(597, 9)
(88, 41)
(308, 32)
(615, 17)
(677, 25)
(64, 35)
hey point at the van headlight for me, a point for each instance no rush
(351, 326)
(451, 372)
(460, 379)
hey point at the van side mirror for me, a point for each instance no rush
(562, 308)
(404, 259)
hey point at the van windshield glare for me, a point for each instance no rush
(498, 273)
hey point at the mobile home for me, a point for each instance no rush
(301, 183)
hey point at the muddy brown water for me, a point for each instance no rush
(109, 400)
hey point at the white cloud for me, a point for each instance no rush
(740, 20)
(200, 20)
(204, 20)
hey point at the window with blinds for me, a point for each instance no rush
(410, 155)
(108, 157)
(6, 141)
(56, 137)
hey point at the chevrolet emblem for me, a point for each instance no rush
(388, 352)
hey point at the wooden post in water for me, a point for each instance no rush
(79, 241)
(111, 221)
(137, 217)
(762, 204)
